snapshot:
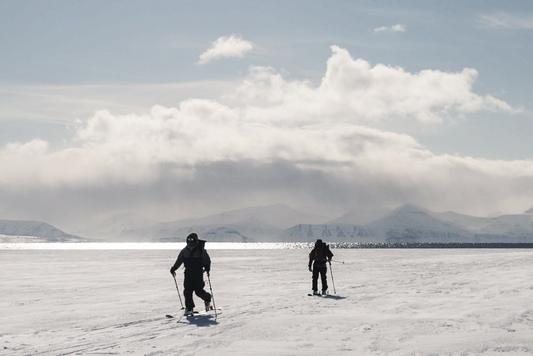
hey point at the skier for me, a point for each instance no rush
(320, 255)
(195, 259)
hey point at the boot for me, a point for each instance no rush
(208, 306)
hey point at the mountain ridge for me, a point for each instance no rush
(408, 223)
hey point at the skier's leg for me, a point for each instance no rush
(188, 289)
(324, 278)
(199, 289)
(315, 278)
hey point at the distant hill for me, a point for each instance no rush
(116, 225)
(327, 232)
(413, 224)
(408, 223)
(361, 216)
(260, 223)
(278, 215)
(14, 230)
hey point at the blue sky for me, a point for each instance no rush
(450, 80)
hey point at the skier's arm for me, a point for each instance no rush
(177, 264)
(329, 255)
(311, 258)
(206, 261)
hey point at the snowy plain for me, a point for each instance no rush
(387, 302)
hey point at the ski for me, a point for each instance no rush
(204, 313)
(199, 313)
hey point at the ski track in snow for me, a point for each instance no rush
(388, 302)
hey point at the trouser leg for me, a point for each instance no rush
(188, 289)
(200, 291)
(315, 278)
(196, 284)
(323, 276)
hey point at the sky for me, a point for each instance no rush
(174, 109)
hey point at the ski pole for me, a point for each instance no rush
(337, 261)
(212, 295)
(332, 280)
(178, 291)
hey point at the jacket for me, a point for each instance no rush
(320, 255)
(195, 260)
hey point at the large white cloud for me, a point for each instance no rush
(273, 133)
(226, 47)
(354, 91)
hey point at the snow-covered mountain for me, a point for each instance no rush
(260, 223)
(513, 225)
(278, 215)
(167, 232)
(360, 216)
(116, 225)
(279, 223)
(413, 224)
(14, 230)
(327, 232)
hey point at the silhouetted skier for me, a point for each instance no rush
(320, 255)
(195, 259)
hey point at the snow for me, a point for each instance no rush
(388, 302)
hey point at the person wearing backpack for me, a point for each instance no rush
(321, 255)
(196, 260)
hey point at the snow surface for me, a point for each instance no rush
(388, 302)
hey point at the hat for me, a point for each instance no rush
(192, 240)
(318, 242)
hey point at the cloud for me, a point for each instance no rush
(352, 90)
(276, 140)
(507, 20)
(395, 28)
(226, 47)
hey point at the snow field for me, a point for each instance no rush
(388, 302)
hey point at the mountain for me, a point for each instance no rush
(279, 215)
(279, 223)
(260, 223)
(327, 232)
(15, 230)
(413, 224)
(116, 225)
(360, 216)
(168, 232)
(511, 225)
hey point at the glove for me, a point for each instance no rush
(310, 269)
(207, 269)
(173, 272)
